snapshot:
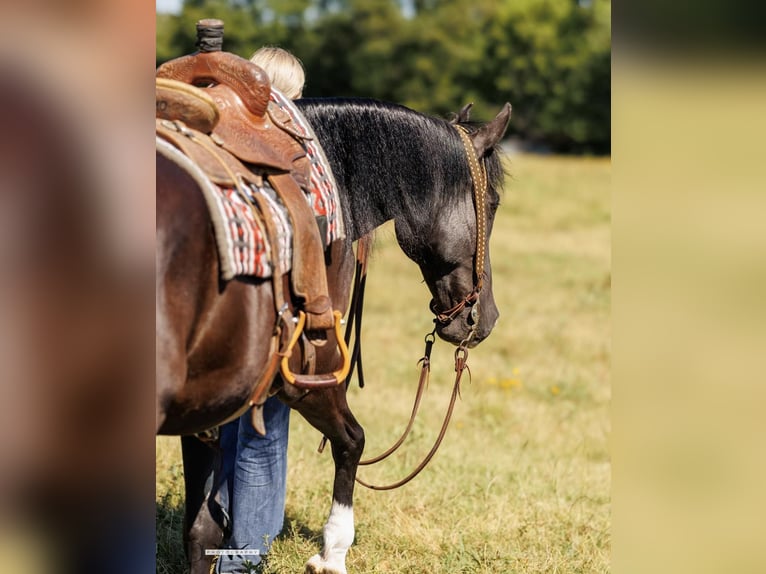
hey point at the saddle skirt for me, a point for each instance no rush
(241, 238)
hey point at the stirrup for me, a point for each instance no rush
(304, 381)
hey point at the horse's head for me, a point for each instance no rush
(452, 250)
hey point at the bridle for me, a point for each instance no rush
(479, 179)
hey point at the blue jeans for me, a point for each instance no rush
(255, 472)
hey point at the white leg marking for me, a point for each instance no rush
(338, 537)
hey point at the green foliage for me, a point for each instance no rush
(550, 58)
(555, 59)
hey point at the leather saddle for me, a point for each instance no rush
(222, 101)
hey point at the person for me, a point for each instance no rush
(284, 70)
(254, 466)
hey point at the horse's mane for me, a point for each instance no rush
(399, 148)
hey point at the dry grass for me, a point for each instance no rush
(522, 482)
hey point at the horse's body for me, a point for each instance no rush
(213, 338)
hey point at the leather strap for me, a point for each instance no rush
(354, 322)
(479, 179)
(425, 371)
(261, 389)
(309, 275)
(356, 307)
(461, 357)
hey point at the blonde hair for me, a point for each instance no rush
(284, 70)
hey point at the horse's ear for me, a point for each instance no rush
(489, 134)
(463, 115)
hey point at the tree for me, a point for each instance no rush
(550, 58)
(554, 60)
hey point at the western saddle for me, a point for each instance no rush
(214, 107)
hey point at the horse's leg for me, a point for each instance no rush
(203, 519)
(328, 412)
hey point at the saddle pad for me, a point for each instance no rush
(324, 198)
(243, 247)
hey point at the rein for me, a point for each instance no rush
(479, 179)
(461, 358)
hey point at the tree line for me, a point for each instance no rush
(550, 58)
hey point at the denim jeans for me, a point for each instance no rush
(255, 469)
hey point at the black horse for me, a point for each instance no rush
(390, 162)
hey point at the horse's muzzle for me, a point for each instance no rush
(471, 326)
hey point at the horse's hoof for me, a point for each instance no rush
(318, 565)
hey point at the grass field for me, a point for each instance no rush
(522, 481)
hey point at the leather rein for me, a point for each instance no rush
(479, 180)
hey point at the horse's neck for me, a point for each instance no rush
(365, 210)
(377, 188)
(384, 161)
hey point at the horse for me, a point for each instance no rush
(390, 163)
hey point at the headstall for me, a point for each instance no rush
(479, 178)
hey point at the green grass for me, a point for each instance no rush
(522, 480)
